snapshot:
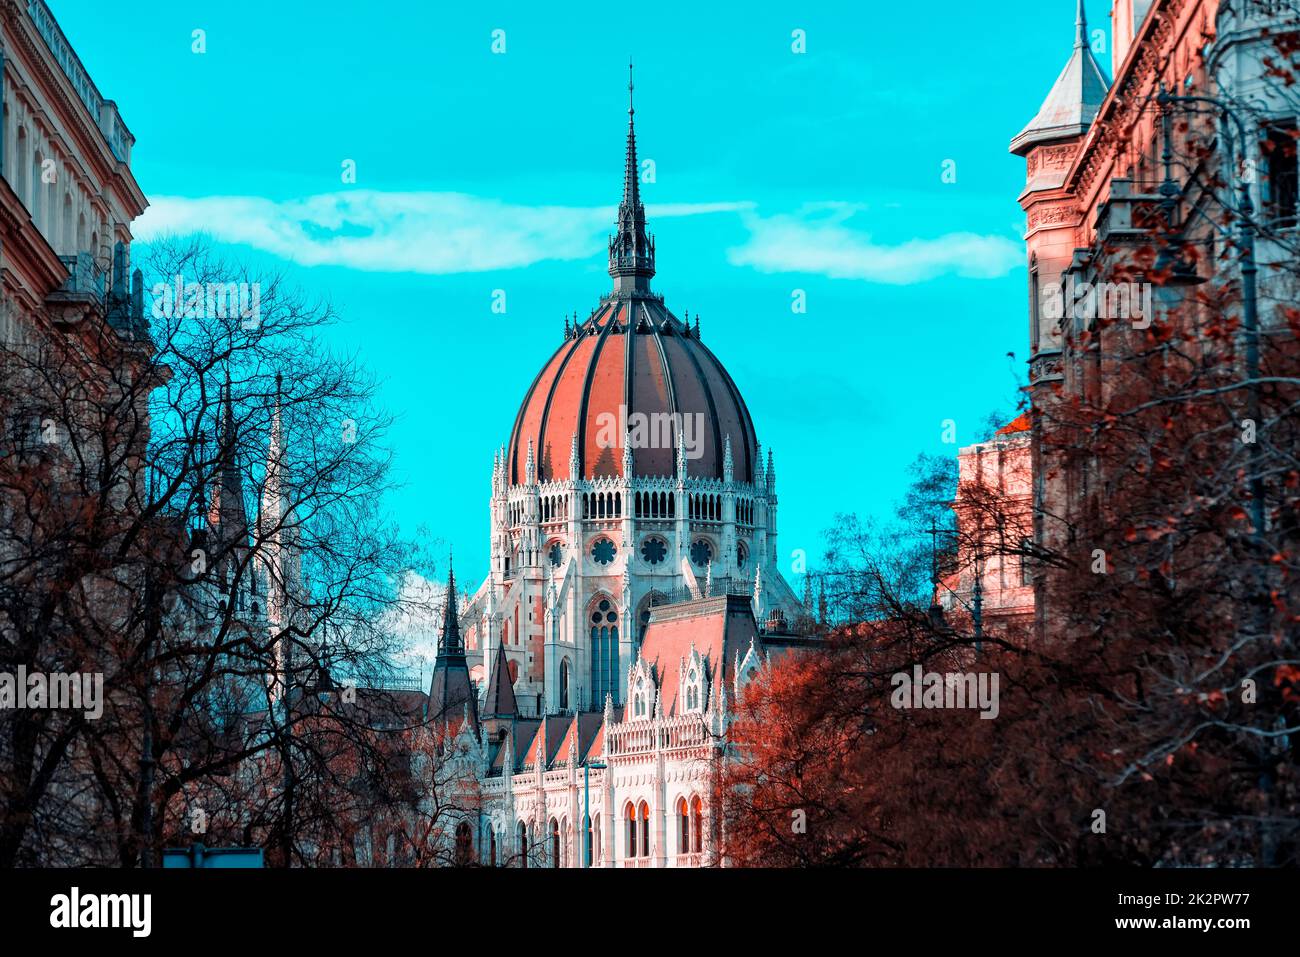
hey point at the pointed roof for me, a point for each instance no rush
(226, 513)
(1072, 104)
(450, 642)
(451, 692)
(500, 701)
(631, 249)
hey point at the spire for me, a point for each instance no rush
(1072, 104)
(451, 693)
(631, 248)
(226, 513)
(575, 463)
(530, 466)
(500, 700)
(771, 472)
(450, 643)
(627, 455)
(728, 464)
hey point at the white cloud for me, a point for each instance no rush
(818, 240)
(420, 232)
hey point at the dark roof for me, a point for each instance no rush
(500, 701)
(451, 692)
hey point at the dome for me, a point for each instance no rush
(632, 365)
(632, 354)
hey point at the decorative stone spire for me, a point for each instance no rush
(758, 595)
(530, 466)
(451, 692)
(728, 464)
(627, 455)
(708, 579)
(575, 464)
(226, 513)
(760, 481)
(450, 643)
(681, 455)
(771, 473)
(631, 248)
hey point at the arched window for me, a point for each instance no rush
(697, 824)
(631, 832)
(645, 829)
(587, 845)
(595, 827)
(464, 844)
(692, 691)
(492, 848)
(564, 684)
(555, 843)
(604, 652)
(683, 827)
(521, 839)
(639, 697)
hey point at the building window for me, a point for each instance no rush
(522, 841)
(645, 829)
(556, 554)
(492, 848)
(1026, 570)
(1280, 168)
(603, 551)
(697, 824)
(464, 844)
(683, 827)
(639, 699)
(654, 550)
(564, 684)
(555, 843)
(1035, 307)
(701, 553)
(587, 848)
(631, 832)
(742, 554)
(604, 652)
(692, 691)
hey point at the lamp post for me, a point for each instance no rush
(586, 808)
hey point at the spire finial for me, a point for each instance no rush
(1080, 27)
(631, 250)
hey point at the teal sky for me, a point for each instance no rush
(475, 171)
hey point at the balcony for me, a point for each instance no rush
(81, 293)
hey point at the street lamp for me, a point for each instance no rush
(586, 808)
